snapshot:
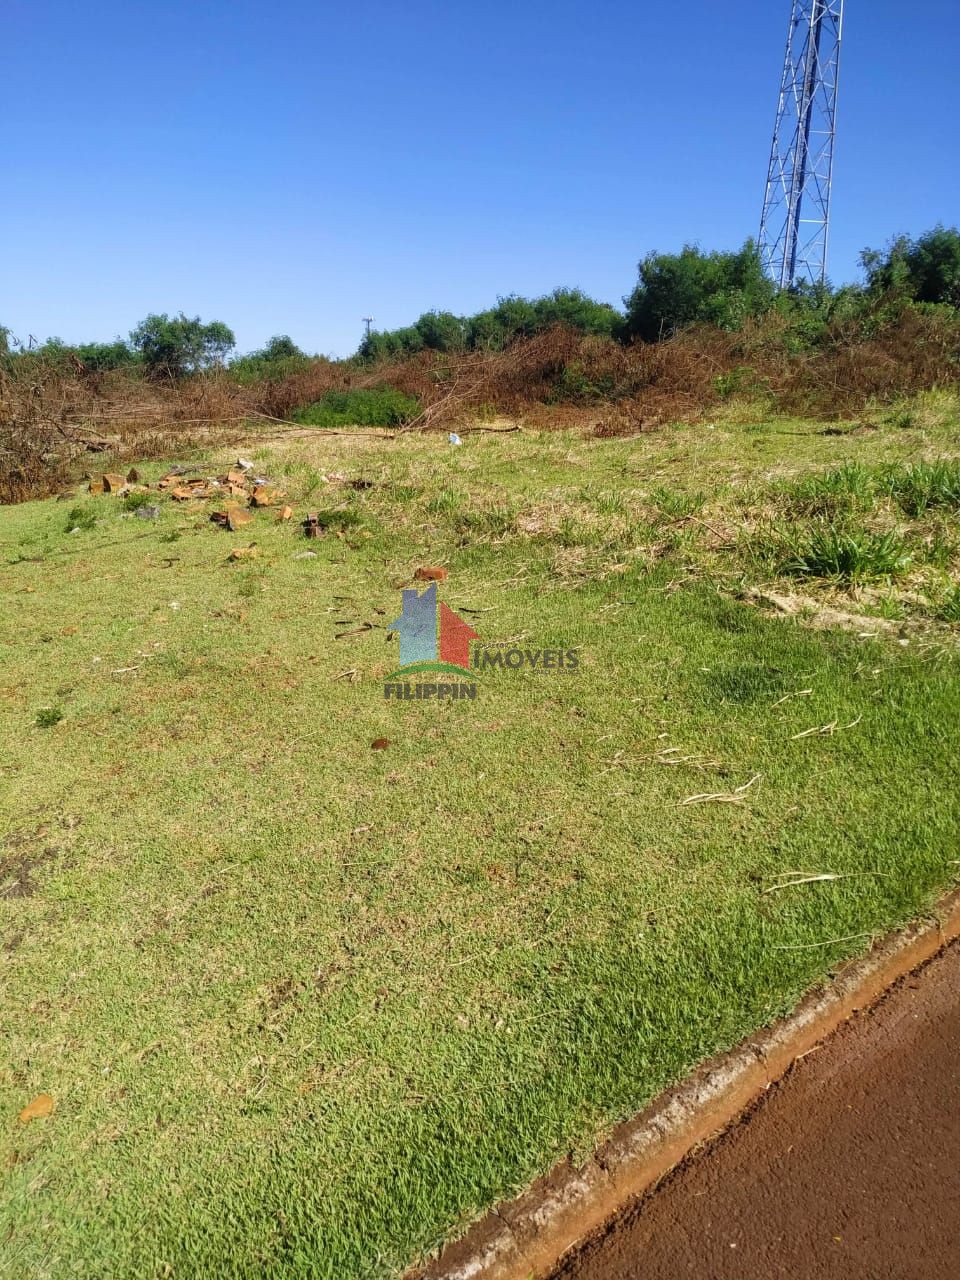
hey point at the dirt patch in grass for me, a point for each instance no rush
(16, 869)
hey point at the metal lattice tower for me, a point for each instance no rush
(796, 208)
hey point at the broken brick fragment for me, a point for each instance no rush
(430, 573)
(264, 496)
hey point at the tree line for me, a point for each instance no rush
(673, 291)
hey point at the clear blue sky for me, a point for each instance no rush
(292, 167)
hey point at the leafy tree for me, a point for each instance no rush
(280, 347)
(441, 331)
(692, 287)
(174, 346)
(492, 330)
(926, 269)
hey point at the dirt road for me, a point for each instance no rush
(848, 1168)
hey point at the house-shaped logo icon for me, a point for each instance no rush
(418, 629)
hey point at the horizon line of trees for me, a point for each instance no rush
(674, 290)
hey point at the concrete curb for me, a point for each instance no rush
(525, 1238)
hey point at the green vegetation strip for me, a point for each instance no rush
(304, 1008)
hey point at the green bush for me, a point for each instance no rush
(361, 407)
(496, 328)
(81, 518)
(692, 287)
(272, 363)
(926, 269)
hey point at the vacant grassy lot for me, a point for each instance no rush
(305, 1007)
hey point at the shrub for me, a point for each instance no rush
(926, 269)
(363, 407)
(272, 363)
(134, 501)
(81, 518)
(691, 287)
(493, 330)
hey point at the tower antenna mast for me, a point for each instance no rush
(796, 208)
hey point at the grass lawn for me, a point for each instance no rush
(306, 1008)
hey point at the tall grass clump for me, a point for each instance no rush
(845, 554)
(923, 485)
(829, 494)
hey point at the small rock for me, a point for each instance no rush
(245, 553)
(454, 438)
(147, 513)
(42, 1105)
(133, 476)
(244, 464)
(305, 555)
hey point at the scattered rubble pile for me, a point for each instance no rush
(240, 485)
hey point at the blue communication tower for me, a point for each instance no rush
(796, 207)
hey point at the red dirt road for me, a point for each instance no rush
(848, 1168)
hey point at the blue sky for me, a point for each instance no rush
(292, 167)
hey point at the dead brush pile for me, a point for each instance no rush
(51, 413)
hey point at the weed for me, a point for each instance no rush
(81, 518)
(339, 518)
(606, 502)
(923, 485)
(830, 494)
(831, 551)
(47, 717)
(948, 609)
(674, 505)
(445, 502)
(491, 522)
(134, 501)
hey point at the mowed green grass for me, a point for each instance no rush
(306, 1008)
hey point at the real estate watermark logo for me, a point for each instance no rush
(435, 643)
(421, 655)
